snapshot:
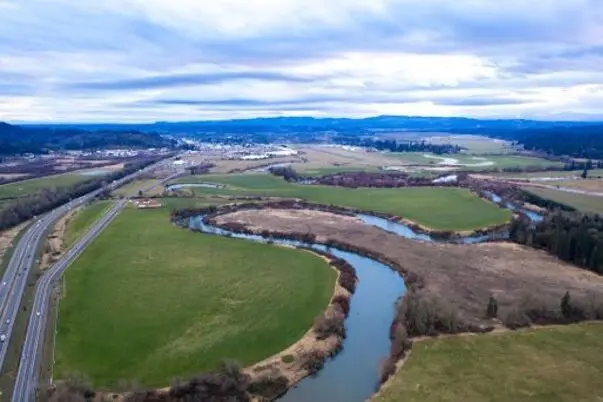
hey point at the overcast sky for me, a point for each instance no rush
(148, 60)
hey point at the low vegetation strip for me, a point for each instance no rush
(545, 364)
(453, 209)
(151, 301)
(83, 219)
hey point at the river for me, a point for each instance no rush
(353, 374)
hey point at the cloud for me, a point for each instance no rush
(163, 59)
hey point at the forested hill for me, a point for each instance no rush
(20, 139)
(578, 141)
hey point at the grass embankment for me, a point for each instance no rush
(581, 202)
(435, 207)
(548, 364)
(31, 186)
(83, 219)
(151, 301)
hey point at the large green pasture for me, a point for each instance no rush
(31, 186)
(550, 364)
(435, 207)
(151, 301)
(581, 202)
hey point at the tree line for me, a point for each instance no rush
(395, 146)
(572, 236)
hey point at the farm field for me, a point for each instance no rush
(151, 301)
(475, 144)
(82, 220)
(131, 189)
(487, 162)
(31, 186)
(592, 174)
(547, 364)
(435, 207)
(581, 202)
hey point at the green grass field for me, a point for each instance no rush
(435, 207)
(26, 187)
(132, 188)
(551, 364)
(581, 202)
(315, 172)
(473, 143)
(498, 161)
(151, 301)
(83, 219)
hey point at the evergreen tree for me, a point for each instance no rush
(492, 310)
(566, 306)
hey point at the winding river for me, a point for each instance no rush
(353, 374)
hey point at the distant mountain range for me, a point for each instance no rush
(38, 139)
(309, 124)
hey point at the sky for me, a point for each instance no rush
(170, 60)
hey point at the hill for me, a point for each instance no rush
(23, 139)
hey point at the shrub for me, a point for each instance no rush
(269, 387)
(343, 302)
(287, 359)
(330, 322)
(313, 361)
(492, 309)
(515, 319)
(423, 315)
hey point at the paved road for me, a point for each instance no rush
(15, 278)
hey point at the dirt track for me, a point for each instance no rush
(462, 275)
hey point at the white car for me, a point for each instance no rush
(38, 313)
(4, 283)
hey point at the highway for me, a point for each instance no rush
(16, 276)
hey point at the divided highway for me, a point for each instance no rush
(16, 275)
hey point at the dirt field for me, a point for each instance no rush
(462, 275)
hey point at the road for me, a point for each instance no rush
(16, 276)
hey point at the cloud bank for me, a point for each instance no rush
(147, 60)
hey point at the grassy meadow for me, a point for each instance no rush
(31, 186)
(83, 219)
(549, 364)
(435, 207)
(581, 202)
(151, 301)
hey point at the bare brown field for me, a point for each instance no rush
(463, 276)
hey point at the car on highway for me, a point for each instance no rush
(2, 338)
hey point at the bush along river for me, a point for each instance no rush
(353, 374)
